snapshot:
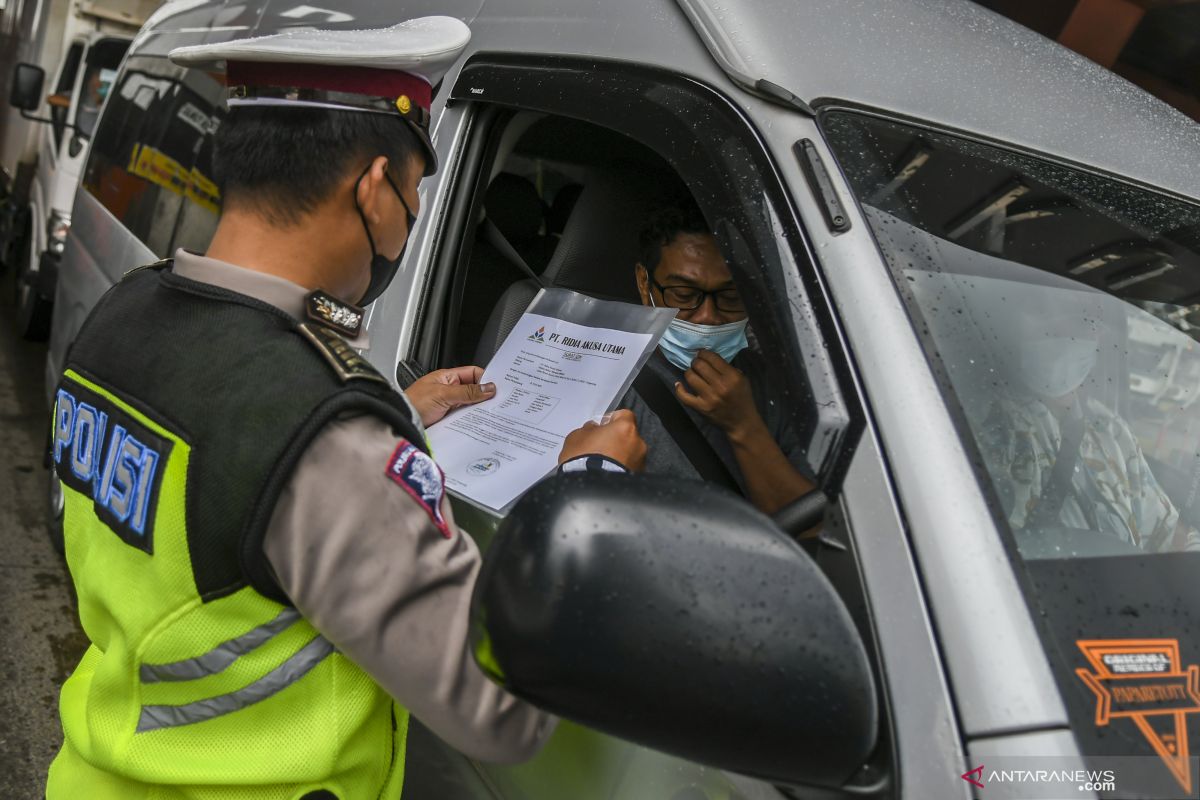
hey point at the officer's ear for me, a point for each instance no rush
(370, 188)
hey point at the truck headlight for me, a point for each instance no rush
(56, 232)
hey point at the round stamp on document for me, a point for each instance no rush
(483, 466)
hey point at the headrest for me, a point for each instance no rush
(561, 208)
(513, 205)
(599, 245)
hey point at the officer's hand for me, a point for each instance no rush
(443, 390)
(618, 439)
(719, 391)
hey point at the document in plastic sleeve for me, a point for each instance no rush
(551, 375)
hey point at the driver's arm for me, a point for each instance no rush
(719, 391)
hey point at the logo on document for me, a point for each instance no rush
(484, 466)
(1145, 681)
(539, 335)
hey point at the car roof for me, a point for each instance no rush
(949, 62)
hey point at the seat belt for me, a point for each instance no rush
(493, 236)
(1054, 492)
(683, 430)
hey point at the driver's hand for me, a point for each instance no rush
(719, 391)
(618, 438)
(443, 390)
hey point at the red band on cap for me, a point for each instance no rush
(356, 80)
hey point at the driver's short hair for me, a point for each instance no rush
(667, 221)
(283, 162)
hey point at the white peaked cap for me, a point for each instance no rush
(379, 70)
(424, 47)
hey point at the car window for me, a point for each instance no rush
(151, 161)
(608, 189)
(1060, 309)
(1050, 296)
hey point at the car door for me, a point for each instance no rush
(710, 145)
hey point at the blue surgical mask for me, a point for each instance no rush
(683, 340)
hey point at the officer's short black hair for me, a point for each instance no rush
(666, 222)
(283, 162)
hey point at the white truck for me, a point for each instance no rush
(36, 215)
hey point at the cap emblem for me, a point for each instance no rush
(403, 104)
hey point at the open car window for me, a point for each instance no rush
(562, 203)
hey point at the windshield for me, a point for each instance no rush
(1060, 310)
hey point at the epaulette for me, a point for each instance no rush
(344, 359)
(325, 309)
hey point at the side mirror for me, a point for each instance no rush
(676, 616)
(25, 93)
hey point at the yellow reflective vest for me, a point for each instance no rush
(201, 681)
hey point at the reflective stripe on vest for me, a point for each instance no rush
(222, 655)
(278, 679)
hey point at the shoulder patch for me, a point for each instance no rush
(346, 362)
(418, 474)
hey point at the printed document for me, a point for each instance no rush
(551, 376)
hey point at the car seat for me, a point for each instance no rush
(596, 254)
(504, 249)
(561, 208)
(513, 206)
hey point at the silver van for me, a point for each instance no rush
(973, 258)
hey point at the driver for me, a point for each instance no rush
(704, 362)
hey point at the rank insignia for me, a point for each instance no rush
(344, 359)
(416, 473)
(331, 312)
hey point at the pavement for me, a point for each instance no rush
(40, 638)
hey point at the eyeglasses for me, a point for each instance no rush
(689, 298)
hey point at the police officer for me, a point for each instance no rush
(266, 565)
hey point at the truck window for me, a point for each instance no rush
(63, 88)
(103, 58)
(150, 163)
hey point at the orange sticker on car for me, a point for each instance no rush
(1145, 681)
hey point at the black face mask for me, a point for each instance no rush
(383, 269)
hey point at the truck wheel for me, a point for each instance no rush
(54, 513)
(33, 311)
